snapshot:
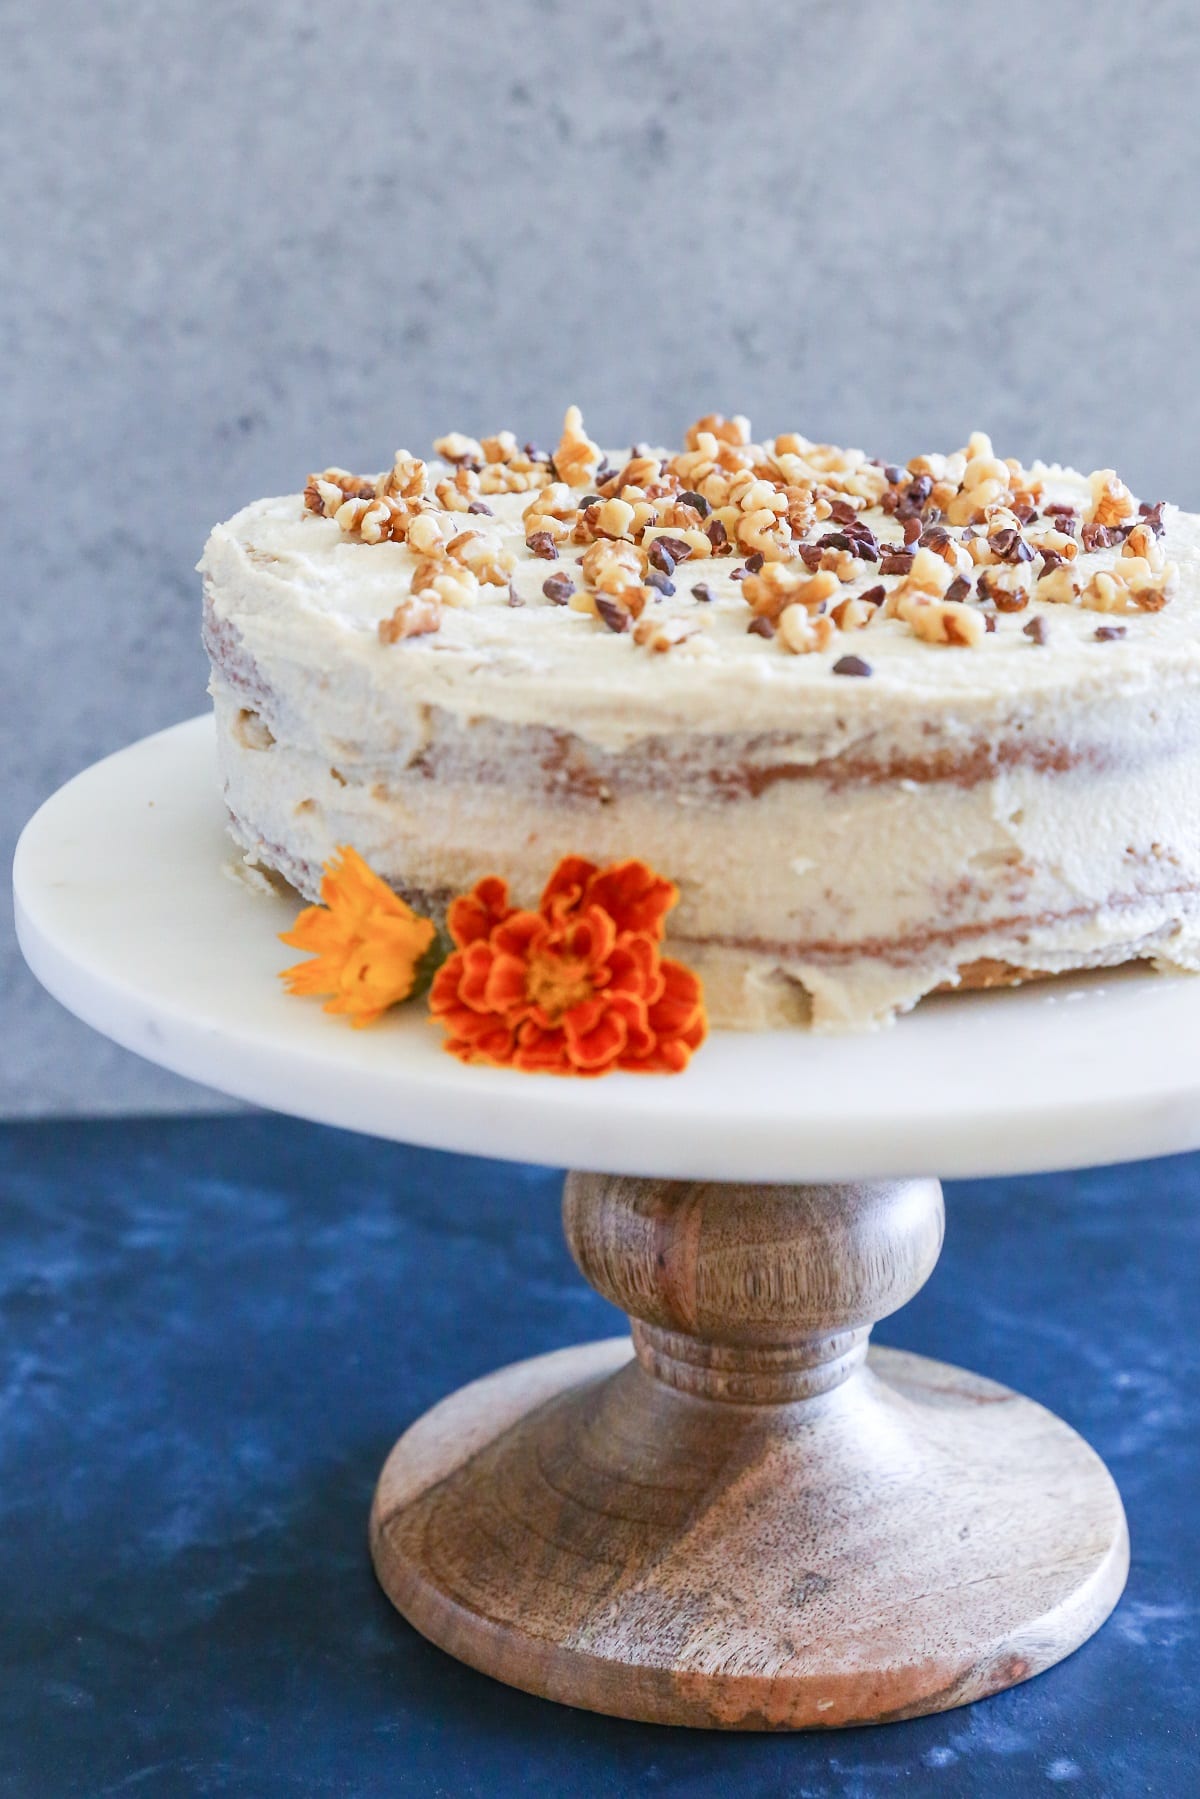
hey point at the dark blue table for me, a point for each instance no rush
(214, 1329)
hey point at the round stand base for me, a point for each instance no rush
(910, 1541)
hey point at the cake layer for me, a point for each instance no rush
(833, 896)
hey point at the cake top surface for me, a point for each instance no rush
(728, 585)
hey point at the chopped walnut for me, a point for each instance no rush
(697, 541)
(458, 448)
(1106, 593)
(940, 543)
(506, 477)
(614, 518)
(1055, 542)
(802, 633)
(842, 563)
(803, 507)
(642, 472)
(985, 483)
(426, 572)
(682, 515)
(326, 492)
(764, 533)
(1143, 544)
(948, 622)
(942, 470)
(617, 609)
(546, 525)
(780, 585)
(405, 480)
(374, 521)
(576, 458)
(1132, 586)
(699, 471)
(1111, 501)
(453, 585)
(852, 614)
(425, 534)
(553, 509)
(1008, 587)
(415, 617)
(731, 431)
(1058, 587)
(663, 634)
(458, 493)
(490, 565)
(612, 565)
(825, 472)
(500, 448)
(927, 579)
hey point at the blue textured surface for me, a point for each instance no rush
(214, 1329)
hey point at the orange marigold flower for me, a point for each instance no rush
(365, 942)
(577, 987)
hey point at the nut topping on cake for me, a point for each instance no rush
(846, 543)
(414, 617)
(576, 457)
(948, 622)
(1112, 503)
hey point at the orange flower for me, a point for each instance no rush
(365, 941)
(577, 987)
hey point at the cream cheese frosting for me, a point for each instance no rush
(843, 845)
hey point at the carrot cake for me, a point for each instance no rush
(890, 729)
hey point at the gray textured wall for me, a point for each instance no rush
(239, 240)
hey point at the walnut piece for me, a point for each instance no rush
(453, 585)
(801, 633)
(576, 457)
(425, 534)
(1111, 501)
(405, 480)
(414, 617)
(948, 622)
(490, 565)
(458, 448)
(459, 492)
(1131, 586)
(778, 586)
(663, 634)
(611, 566)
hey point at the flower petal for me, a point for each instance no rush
(598, 1046)
(476, 914)
(565, 888)
(681, 1003)
(505, 990)
(634, 896)
(520, 933)
(633, 967)
(540, 1051)
(589, 937)
(473, 979)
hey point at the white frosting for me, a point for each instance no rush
(891, 884)
(307, 599)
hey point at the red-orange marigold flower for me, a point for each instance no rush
(577, 987)
(365, 942)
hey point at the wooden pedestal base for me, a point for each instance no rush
(749, 1525)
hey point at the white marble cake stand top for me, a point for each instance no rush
(127, 913)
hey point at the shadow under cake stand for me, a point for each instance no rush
(745, 1518)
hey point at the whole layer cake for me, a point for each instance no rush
(889, 729)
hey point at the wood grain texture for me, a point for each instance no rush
(747, 1524)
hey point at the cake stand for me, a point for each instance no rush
(743, 1518)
